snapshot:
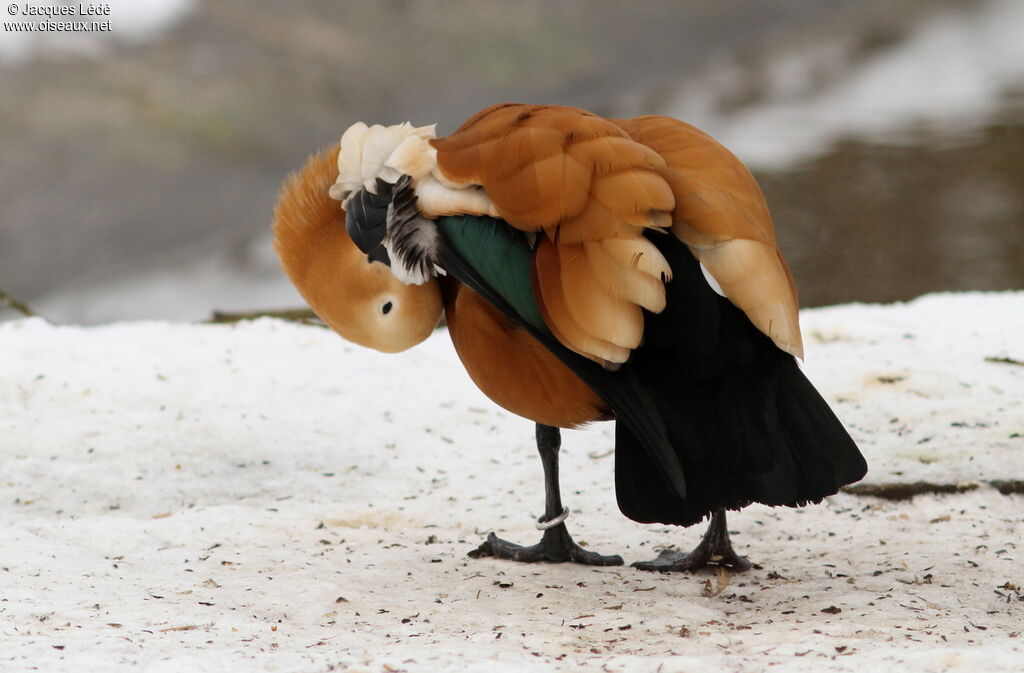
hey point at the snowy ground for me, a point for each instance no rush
(265, 497)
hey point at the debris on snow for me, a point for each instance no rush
(264, 496)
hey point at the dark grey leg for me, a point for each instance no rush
(715, 549)
(557, 546)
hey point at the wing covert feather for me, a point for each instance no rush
(577, 178)
(721, 214)
(595, 310)
(584, 180)
(556, 314)
(640, 288)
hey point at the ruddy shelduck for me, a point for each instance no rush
(589, 269)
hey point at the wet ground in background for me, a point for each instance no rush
(140, 184)
(878, 223)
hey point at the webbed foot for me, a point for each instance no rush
(714, 549)
(557, 546)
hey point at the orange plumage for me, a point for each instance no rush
(593, 186)
(505, 362)
(722, 216)
(629, 229)
(346, 291)
(514, 369)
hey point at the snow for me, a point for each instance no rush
(921, 385)
(266, 497)
(950, 72)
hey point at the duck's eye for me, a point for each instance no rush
(386, 307)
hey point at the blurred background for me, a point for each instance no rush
(140, 166)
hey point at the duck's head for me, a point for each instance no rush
(359, 299)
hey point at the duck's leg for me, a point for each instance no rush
(714, 548)
(557, 546)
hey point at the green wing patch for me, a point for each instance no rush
(502, 257)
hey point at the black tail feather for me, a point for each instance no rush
(745, 422)
(709, 412)
(767, 437)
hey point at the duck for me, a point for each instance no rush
(589, 270)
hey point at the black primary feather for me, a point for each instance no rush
(745, 423)
(366, 217)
